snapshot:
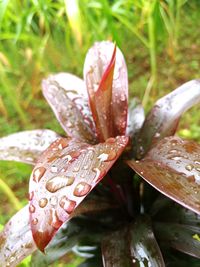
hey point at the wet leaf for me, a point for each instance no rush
(115, 250)
(67, 96)
(136, 117)
(163, 118)
(66, 172)
(16, 241)
(173, 168)
(181, 237)
(26, 146)
(96, 63)
(134, 245)
(144, 248)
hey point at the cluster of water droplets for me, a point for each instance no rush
(61, 184)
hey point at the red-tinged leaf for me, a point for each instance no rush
(132, 246)
(136, 117)
(163, 118)
(178, 228)
(98, 59)
(185, 238)
(67, 96)
(16, 241)
(26, 146)
(173, 168)
(143, 245)
(67, 171)
(115, 250)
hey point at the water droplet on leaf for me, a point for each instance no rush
(31, 208)
(82, 189)
(58, 182)
(43, 202)
(67, 204)
(38, 174)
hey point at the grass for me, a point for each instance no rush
(38, 37)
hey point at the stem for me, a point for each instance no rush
(11, 196)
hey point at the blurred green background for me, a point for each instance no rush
(160, 40)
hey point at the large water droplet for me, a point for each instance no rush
(38, 174)
(54, 220)
(31, 208)
(43, 202)
(189, 167)
(67, 204)
(103, 157)
(34, 221)
(58, 182)
(111, 140)
(112, 155)
(82, 189)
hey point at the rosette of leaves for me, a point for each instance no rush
(120, 189)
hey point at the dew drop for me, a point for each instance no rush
(34, 221)
(63, 144)
(82, 189)
(58, 182)
(43, 202)
(54, 220)
(38, 173)
(67, 204)
(189, 167)
(103, 157)
(31, 208)
(54, 168)
(112, 155)
(111, 140)
(53, 200)
(69, 124)
(30, 195)
(197, 169)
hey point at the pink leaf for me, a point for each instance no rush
(97, 63)
(16, 241)
(173, 168)
(67, 96)
(26, 146)
(67, 171)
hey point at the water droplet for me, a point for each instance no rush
(189, 167)
(97, 175)
(86, 167)
(76, 168)
(111, 140)
(54, 168)
(43, 202)
(54, 220)
(30, 196)
(173, 151)
(69, 124)
(53, 200)
(38, 174)
(31, 208)
(176, 158)
(34, 221)
(63, 143)
(157, 135)
(111, 156)
(197, 169)
(58, 182)
(197, 162)
(82, 189)
(67, 204)
(103, 157)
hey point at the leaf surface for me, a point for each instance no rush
(66, 172)
(144, 248)
(26, 146)
(163, 118)
(173, 168)
(16, 241)
(97, 63)
(67, 96)
(134, 245)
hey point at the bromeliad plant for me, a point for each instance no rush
(82, 185)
